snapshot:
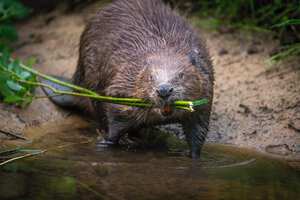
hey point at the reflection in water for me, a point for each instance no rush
(81, 172)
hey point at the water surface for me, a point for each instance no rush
(73, 168)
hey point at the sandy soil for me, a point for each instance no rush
(256, 106)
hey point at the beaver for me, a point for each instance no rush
(143, 49)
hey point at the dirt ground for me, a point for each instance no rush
(256, 105)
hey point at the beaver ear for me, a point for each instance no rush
(197, 60)
(194, 57)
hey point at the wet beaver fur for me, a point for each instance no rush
(143, 49)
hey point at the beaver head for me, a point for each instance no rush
(167, 77)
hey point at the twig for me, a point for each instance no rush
(83, 92)
(124, 101)
(9, 152)
(184, 105)
(36, 153)
(94, 95)
(13, 135)
(23, 156)
(77, 88)
(46, 97)
(85, 186)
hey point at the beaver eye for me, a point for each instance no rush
(181, 75)
(151, 78)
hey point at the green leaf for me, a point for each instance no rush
(11, 90)
(25, 75)
(11, 66)
(200, 102)
(288, 22)
(8, 32)
(12, 99)
(12, 9)
(14, 86)
(4, 89)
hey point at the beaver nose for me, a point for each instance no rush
(164, 91)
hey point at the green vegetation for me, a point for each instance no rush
(279, 16)
(13, 86)
(10, 90)
(292, 49)
(10, 10)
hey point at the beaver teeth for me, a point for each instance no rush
(166, 110)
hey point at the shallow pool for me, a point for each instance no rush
(73, 168)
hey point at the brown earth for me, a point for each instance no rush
(256, 105)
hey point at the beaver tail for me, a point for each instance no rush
(65, 101)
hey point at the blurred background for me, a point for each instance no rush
(282, 17)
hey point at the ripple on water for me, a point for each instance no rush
(81, 172)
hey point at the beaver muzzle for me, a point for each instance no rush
(164, 91)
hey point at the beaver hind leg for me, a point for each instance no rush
(66, 101)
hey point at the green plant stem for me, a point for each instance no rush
(179, 104)
(95, 96)
(54, 80)
(186, 105)
(87, 92)
(82, 92)
(190, 109)
(21, 157)
(183, 103)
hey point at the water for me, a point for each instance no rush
(72, 168)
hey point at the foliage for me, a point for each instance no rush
(290, 49)
(12, 87)
(10, 10)
(280, 16)
(287, 51)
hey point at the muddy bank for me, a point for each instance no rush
(255, 106)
